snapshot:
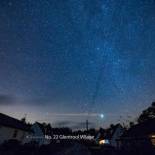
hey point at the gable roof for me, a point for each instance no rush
(44, 128)
(111, 131)
(41, 126)
(11, 122)
(141, 130)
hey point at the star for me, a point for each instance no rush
(101, 116)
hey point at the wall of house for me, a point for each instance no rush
(38, 134)
(7, 133)
(117, 134)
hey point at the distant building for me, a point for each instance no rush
(142, 134)
(11, 128)
(41, 133)
(111, 135)
(114, 133)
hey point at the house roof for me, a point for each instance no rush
(11, 122)
(141, 130)
(110, 132)
(44, 128)
(41, 126)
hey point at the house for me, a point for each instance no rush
(142, 134)
(42, 133)
(11, 128)
(110, 136)
(114, 133)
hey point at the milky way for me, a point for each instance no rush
(54, 53)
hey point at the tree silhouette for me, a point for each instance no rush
(23, 120)
(147, 114)
(131, 124)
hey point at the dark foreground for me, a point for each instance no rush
(71, 148)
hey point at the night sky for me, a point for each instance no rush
(62, 59)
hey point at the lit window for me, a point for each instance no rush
(103, 141)
(153, 139)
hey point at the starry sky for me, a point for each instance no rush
(63, 59)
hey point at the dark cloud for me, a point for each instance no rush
(38, 100)
(6, 99)
(63, 124)
(82, 125)
(72, 124)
